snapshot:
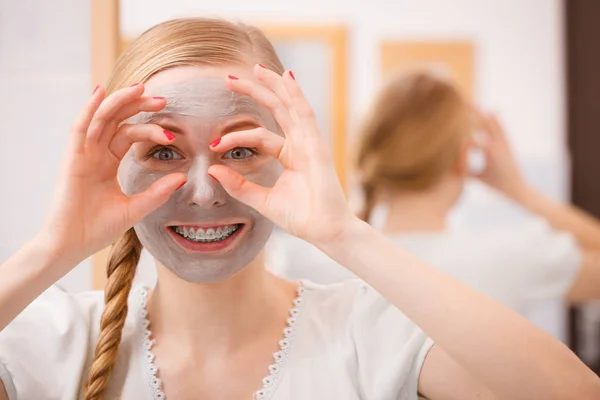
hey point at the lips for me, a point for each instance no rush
(193, 238)
(206, 235)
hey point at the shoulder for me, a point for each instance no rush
(59, 310)
(533, 240)
(56, 310)
(355, 305)
(44, 351)
(512, 264)
(381, 347)
(534, 249)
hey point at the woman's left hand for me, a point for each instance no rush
(502, 171)
(307, 200)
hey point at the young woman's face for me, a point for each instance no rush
(202, 234)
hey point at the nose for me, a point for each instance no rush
(204, 191)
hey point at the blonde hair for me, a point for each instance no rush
(190, 41)
(411, 137)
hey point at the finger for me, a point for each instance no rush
(495, 125)
(80, 126)
(299, 101)
(494, 133)
(261, 138)
(483, 123)
(146, 104)
(478, 117)
(109, 107)
(240, 188)
(273, 81)
(144, 203)
(128, 134)
(264, 97)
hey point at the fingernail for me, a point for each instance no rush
(135, 84)
(168, 134)
(260, 65)
(180, 186)
(96, 89)
(235, 78)
(215, 143)
(158, 98)
(212, 176)
(292, 75)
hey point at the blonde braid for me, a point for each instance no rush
(122, 264)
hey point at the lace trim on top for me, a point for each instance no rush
(150, 369)
(285, 345)
(268, 382)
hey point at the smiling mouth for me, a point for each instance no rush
(209, 235)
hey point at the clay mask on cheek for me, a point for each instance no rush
(201, 234)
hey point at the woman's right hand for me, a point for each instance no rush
(90, 210)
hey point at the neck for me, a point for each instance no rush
(219, 315)
(419, 211)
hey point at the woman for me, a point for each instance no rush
(412, 159)
(222, 146)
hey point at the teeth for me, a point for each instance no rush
(208, 235)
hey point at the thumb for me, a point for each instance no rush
(142, 204)
(240, 188)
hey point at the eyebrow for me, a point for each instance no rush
(240, 125)
(150, 118)
(165, 120)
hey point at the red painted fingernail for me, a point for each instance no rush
(135, 84)
(260, 65)
(292, 75)
(96, 89)
(158, 98)
(212, 176)
(168, 134)
(180, 186)
(235, 78)
(215, 143)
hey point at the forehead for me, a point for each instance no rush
(200, 92)
(189, 73)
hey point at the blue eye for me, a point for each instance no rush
(165, 154)
(240, 153)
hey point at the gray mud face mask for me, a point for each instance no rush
(199, 109)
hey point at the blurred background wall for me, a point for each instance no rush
(44, 81)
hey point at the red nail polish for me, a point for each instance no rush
(96, 89)
(260, 65)
(168, 134)
(135, 84)
(158, 98)
(180, 186)
(292, 75)
(235, 78)
(215, 143)
(212, 176)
